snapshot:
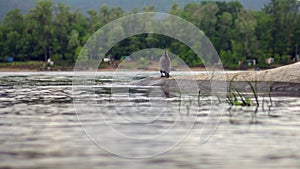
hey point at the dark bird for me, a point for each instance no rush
(165, 64)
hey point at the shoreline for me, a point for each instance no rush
(108, 69)
(71, 70)
(289, 73)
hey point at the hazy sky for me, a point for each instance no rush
(161, 5)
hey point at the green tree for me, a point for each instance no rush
(175, 9)
(246, 24)
(264, 30)
(73, 44)
(234, 7)
(93, 21)
(149, 8)
(115, 13)
(204, 17)
(54, 30)
(13, 30)
(42, 17)
(80, 24)
(61, 29)
(225, 31)
(104, 14)
(283, 27)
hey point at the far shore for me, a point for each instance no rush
(289, 73)
(39, 66)
(107, 69)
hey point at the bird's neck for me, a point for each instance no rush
(166, 54)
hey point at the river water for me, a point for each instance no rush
(46, 122)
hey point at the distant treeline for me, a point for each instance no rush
(55, 31)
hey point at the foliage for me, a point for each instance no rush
(23, 65)
(237, 98)
(51, 30)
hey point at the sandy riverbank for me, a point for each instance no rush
(289, 74)
(108, 69)
(284, 79)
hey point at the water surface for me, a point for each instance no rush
(41, 127)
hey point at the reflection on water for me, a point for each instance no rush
(40, 128)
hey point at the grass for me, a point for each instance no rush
(22, 65)
(237, 98)
(34, 65)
